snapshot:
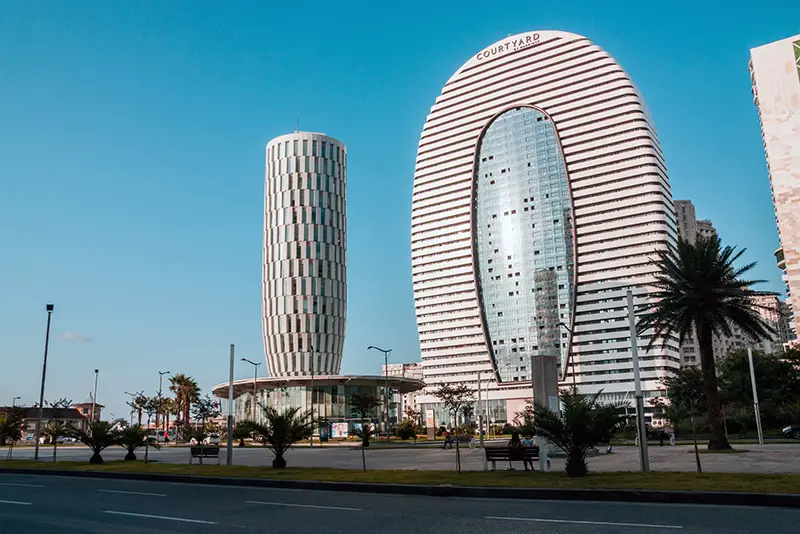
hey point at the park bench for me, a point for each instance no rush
(204, 452)
(495, 454)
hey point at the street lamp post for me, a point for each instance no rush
(131, 404)
(255, 384)
(49, 309)
(644, 459)
(311, 439)
(94, 396)
(386, 379)
(158, 407)
(569, 354)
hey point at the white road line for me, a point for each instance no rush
(16, 502)
(306, 506)
(164, 517)
(133, 493)
(536, 520)
(21, 485)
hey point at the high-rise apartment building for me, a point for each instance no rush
(540, 196)
(686, 217)
(304, 270)
(775, 75)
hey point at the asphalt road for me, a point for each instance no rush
(44, 504)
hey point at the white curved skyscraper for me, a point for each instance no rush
(304, 273)
(540, 197)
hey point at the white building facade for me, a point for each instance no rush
(775, 75)
(540, 196)
(304, 260)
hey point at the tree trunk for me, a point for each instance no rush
(55, 448)
(717, 439)
(458, 453)
(576, 464)
(130, 457)
(139, 416)
(363, 457)
(96, 459)
(279, 462)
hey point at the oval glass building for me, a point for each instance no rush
(305, 244)
(540, 197)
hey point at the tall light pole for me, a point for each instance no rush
(158, 407)
(255, 385)
(755, 395)
(49, 309)
(386, 388)
(94, 396)
(131, 404)
(311, 439)
(229, 452)
(569, 355)
(13, 402)
(644, 459)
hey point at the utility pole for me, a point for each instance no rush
(480, 424)
(158, 408)
(49, 309)
(311, 439)
(229, 453)
(94, 396)
(386, 387)
(644, 459)
(755, 396)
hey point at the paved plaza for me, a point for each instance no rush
(783, 458)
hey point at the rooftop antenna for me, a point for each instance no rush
(296, 130)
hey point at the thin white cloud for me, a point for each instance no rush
(74, 336)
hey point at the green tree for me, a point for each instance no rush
(455, 399)
(406, 430)
(281, 430)
(98, 437)
(186, 392)
(11, 425)
(132, 438)
(583, 424)
(241, 432)
(698, 289)
(362, 406)
(778, 382)
(55, 427)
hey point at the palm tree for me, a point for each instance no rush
(583, 424)
(699, 291)
(98, 437)
(139, 404)
(363, 405)
(282, 430)
(132, 438)
(186, 392)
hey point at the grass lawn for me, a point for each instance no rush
(758, 483)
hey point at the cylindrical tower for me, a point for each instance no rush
(304, 270)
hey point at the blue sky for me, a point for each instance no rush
(131, 160)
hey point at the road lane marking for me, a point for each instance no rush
(164, 517)
(571, 522)
(133, 493)
(306, 506)
(16, 502)
(21, 485)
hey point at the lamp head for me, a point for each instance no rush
(50, 307)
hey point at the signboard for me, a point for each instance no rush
(430, 424)
(339, 430)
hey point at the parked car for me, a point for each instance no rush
(792, 431)
(212, 439)
(65, 439)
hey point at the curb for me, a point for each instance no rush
(788, 500)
